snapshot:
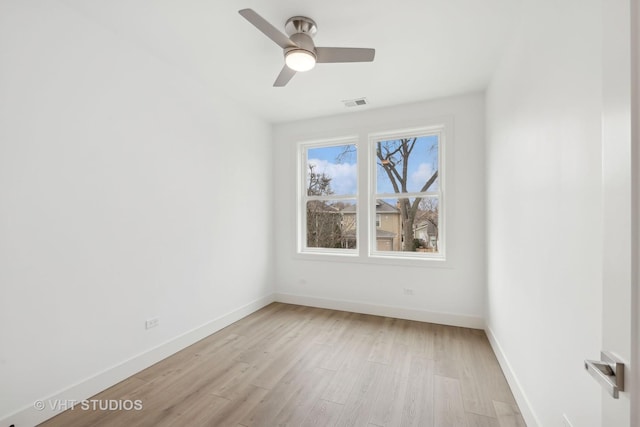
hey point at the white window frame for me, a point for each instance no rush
(440, 130)
(303, 197)
(365, 197)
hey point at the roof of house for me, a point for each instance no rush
(381, 207)
(384, 207)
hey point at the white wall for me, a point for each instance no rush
(544, 211)
(126, 192)
(453, 294)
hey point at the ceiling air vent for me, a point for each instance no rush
(355, 102)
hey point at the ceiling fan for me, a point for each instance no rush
(300, 53)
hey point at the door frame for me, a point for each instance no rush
(621, 202)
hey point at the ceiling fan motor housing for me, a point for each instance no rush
(304, 42)
(301, 24)
(301, 31)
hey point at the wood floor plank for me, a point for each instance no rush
(228, 378)
(383, 345)
(348, 372)
(388, 408)
(359, 404)
(349, 348)
(273, 340)
(335, 325)
(422, 339)
(474, 393)
(300, 366)
(449, 408)
(284, 363)
(303, 400)
(296, 381)
(265, 372)
(258, 321)
(196, 411)
(448, 342)
(235, 410)
(419, 398)
(475, 420)
(236, 386)
(448, 368)
(366, 323)
(187, 357)
(481, 377)
(481, 357)
(323, 414)
(161, 392)
(508, 415)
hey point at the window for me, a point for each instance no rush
(329, 197)
(401, 205)
(406, 173)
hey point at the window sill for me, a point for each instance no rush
(375, 259)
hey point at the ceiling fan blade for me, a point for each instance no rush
(344, 54)
(267, 29)
(283, 78)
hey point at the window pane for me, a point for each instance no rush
(331, 224)
(407, 164)
(407, 224)
(331, 170)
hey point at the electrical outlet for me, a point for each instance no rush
(152, 323)
(408, 291)
(565, 421)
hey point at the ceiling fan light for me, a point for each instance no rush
(300, 60)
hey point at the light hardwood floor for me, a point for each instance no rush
(288, 365)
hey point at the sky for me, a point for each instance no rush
(422, 163)
(343, 174)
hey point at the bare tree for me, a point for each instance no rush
(393, 158)
(319, 183)
(323, 219)
(429, 213)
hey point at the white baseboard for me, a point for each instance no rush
(518, 393)
(30, 416)
(384, 310)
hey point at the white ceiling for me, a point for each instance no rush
(424, 48)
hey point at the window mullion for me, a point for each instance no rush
(331, 197)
